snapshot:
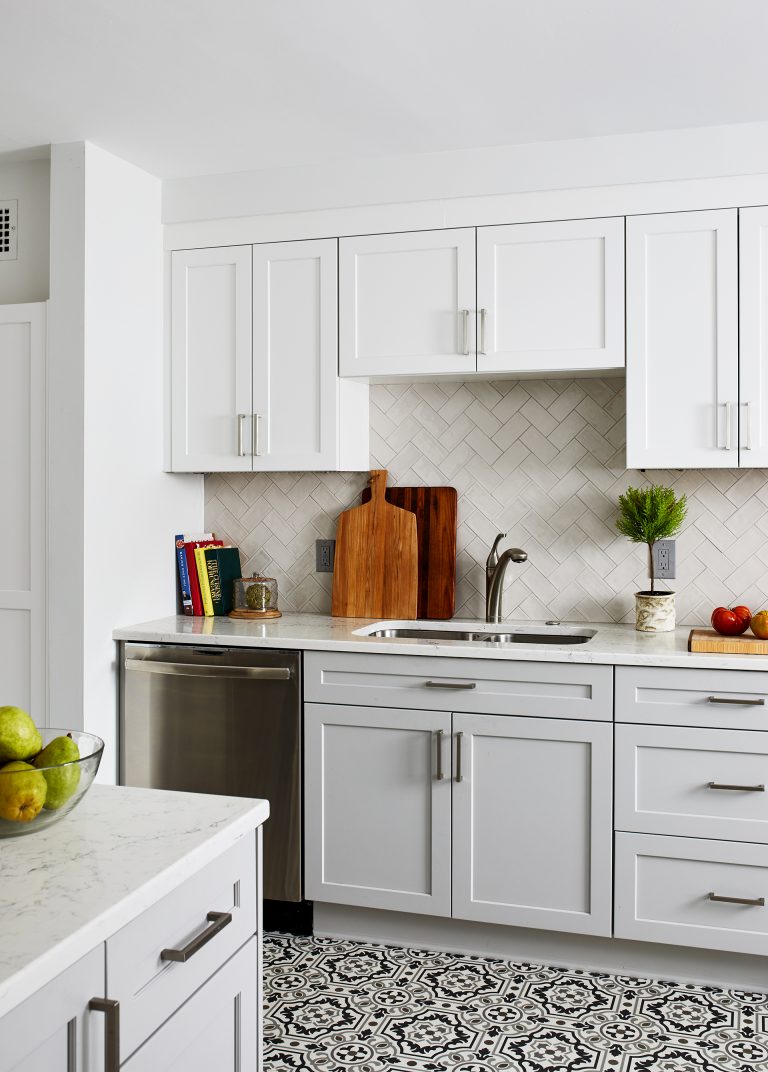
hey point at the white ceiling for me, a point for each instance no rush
(193, 87)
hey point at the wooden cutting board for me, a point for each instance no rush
(435, 510)
(709, 640)
(375, 572)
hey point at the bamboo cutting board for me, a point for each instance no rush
(435, 510)
(375, 572)
(709, 640)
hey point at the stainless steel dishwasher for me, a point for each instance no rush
(220, 720)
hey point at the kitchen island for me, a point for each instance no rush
(110, 904)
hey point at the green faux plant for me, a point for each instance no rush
(650, 514)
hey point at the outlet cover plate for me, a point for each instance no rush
(664, 559)
(325, 553)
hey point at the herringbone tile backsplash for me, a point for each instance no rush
(540, 460)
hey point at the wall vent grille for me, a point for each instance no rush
(8, 230)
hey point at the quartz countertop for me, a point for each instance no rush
(65, 889)
(619, 645)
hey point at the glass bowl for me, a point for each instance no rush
(64, 784)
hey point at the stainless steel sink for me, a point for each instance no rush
(542, 634)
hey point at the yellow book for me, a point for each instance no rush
(205, 585)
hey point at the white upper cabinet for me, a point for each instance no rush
(753, 337)
(550, 296)
(254, 345)
(407, 303)
(682, 340)
(211, 359)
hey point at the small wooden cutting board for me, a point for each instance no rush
(376, 572)
(435, 510)
(709, 640)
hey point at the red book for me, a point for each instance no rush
(194, 580)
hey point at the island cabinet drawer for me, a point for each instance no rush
(148, 985)
(486, 686)
(668, 696)
(692, 782)
(687, 891)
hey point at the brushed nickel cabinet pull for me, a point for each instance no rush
(739, 703)
(756, 902)
(111, 1010)
(218, 921)
(450, 684)
(439, 737)
(459, 775)
(240, 449)
(256, 434)
(464, 314)
(737, 788)
(483, 314)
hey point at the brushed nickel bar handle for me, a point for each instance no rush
(218, 921)
(459, 775)
(727, 425)
(256, 434)
(464, 313)
(739, 703)
(439, 738)
(483, 313)
(737, 788)
(264, 673)
(748, 423)
(240, 448)
(757, 902)
(450, 684)
(111, 1010)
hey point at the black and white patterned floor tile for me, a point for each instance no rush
(338, 1005)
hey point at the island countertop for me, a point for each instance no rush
(613, 644)
(68, 887)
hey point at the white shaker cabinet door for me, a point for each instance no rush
(682, 340)
(407, 303)
(22, 493)
(377, 811)
(532, 822)
(753, 337)
(211, 360)
(550, 296)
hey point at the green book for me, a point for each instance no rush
(223, 566)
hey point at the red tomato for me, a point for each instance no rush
(729, 622)
(743, 612)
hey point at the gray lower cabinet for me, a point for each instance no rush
(532, 822)
(378, 807)
(482, 817)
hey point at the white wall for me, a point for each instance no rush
(26, 278)
(130, 509)
(703, 152)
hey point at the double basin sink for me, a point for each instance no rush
(479, 634)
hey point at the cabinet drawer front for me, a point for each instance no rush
(494, 687)
(149, 988)
(664, 889)
(692, 782)
(718, 699)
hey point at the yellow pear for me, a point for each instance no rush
(22, 791)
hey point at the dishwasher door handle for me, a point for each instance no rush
(251, 673)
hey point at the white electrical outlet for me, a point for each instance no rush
(9, 212)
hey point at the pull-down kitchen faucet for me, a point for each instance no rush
(495, 568)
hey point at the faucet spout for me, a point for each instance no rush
(495, 568)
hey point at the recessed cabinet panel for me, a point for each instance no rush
(211, 360)
(377, 815)
(407, 303)
(551, 296)
(682, 340)
(532, 823)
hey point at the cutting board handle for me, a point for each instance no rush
(378, 486)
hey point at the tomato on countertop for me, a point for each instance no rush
(731, 621)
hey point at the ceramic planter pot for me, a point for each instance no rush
(654, 612)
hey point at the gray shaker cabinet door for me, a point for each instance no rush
(378, 816)
(532, 826)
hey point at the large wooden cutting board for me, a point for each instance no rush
(375, 572)
(435, 510)
(709, 641)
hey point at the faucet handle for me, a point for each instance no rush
(493, 559)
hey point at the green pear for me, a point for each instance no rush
(22, 791)
(62, 780)
(19, 736)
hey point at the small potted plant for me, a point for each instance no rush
(645, 516)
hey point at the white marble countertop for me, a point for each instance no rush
(65, 889)
(613, 644)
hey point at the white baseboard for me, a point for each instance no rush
(618, 956)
